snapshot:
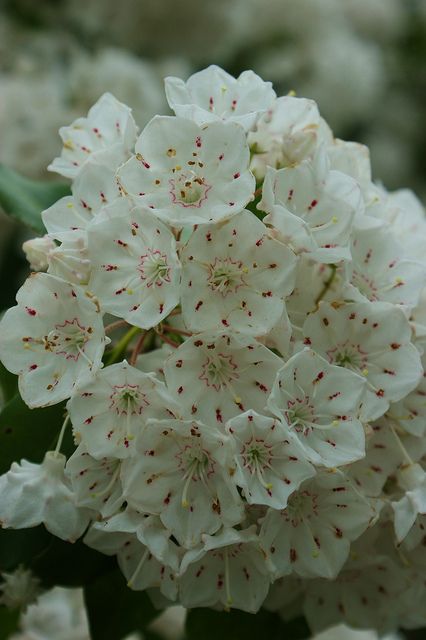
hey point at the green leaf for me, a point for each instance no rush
(8, 622)
(69, 565)
(25, 199)
(8, 384)
(29, 433)
(114, 610)
(21, 546)
(234, 625)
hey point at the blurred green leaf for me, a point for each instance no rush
(114, 610)
(69, 565)
(21, 546)
(234, 625)
(25, 199)
(29, 433)
(8, 384)
(8, 622)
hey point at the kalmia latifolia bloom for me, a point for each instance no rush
(235, 314)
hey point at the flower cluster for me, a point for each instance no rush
(262, 442)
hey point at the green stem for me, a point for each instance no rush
(121, 346)
(327, 284)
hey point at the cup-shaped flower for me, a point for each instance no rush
(412, 479)
(379, 269)
(373, 340)
(32, 494)
(95, 482)
(312, 208)
(217, 376)
(213, 94)
(108, 134)
(227, 571)
(311, 536)
(146, 555)
(183, 473)
(320, 403)
(235, 275)
(189, 174)
(52, 338)
(93, 189)
(288, 133)
(270, 463)
(135, 268)
(110, 410)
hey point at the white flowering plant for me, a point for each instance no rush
(220, 372)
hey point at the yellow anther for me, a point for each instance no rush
(364, 372)
(292, 93)
(335, 423)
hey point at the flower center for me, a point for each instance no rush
(300, 415)
(68, 339)
(226, 275)
(301, 505)
(219, 371)
(154, 269)
(349, 356)
(197, 465)
(127, 400)
(189, 190)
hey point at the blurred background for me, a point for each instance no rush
(362, 60)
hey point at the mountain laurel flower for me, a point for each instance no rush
(108, 134)
(189, 174)
(51, 338)
(235, 315)
(320, 404)
(32, 494)
(213, 94)
(135, 267)
(235, 275)
(183, 473)
(109, 410)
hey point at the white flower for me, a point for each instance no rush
(379, 269)
(364, 595)
(412, 479)
(95, 482)
(212, 94)
(146, 555)
(270, 462)
(410, 412)
(312, 208)
(216, 376)
(312, 536)
(321, 403)
(108, 134)
(18, 588)
(189, 174)
(110, 410)
(235, 275)
(373, 340)
(182, 473)
(229, 570)
(70, 260)
(287, 134)
(93, 189)
(51, 338)
(135, 268)
(58, 614)
(31, 494)
(383, 457)
(37, 251)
